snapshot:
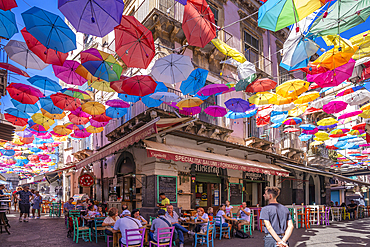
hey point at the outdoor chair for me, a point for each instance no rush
(346, 214)
(72, 213)
(98, 229)
(151, 218)
(247, 228)
(336, 214)
(83, 232)
(303, 217)
(219, 229)
(207, 236)
(291, 211)
(164, 237)
(324, 216)
(134, 235)
(55, 209)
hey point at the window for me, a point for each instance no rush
(214, 10)
(251, 48)
(284, 74)
(164, 5)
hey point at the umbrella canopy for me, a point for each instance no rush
(365, 114)
(245, 70)
(316, 143)
(244, 83)
(334, 107)
(349, 114)
(198, 23)
(101, 118)
(8, 4)
(94, 17)
(65, 102)
(14, 69)
(304, 137)
(48, 105)
(76, 93)
(327, 121)
(215, 111)
(80, 134)
(319, 103)
(49, 29)
(67, 73)
(228, 51)
(189, 102)
(62, 130)
(292, 88)
(151, 102)
(101, 85)
(78, 112)
(134, 43)
(261, 85)
(24, 93)
(360, 126)
(98, 124)
(44, 83)
(306, 98)
(92, 129)
(194, 82)
(30, 108)
(172, 68)
(47, 55)
(117, 103)
(139, 85)
(53, 116)
(73, 126)
(101, 64)
(328, 127)
(117, 85)
(79, 120)
(190, 111)
(165, 96)
(19, 53)
(349, 91)
(40, 119)
(8, 25)
(17, 113)
(356, 132)
(115, 112)
(93, 108)
(313, 69)
(363, 41)
(321, 134)
(262, 98)
(291, 130)
(212, 89)
(307, 126)
(237, 105)
(280, 100)
(236, 115)
(292, 121)
(357, 98)
(278, 117)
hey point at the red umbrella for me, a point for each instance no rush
(15, 120)
(7, 4)
(139, 85)
(24, 93)
(198, 23)
(65, 102)
(313, 69)
(291, 130)
(332, 147)
(134, 43)
(78, 120)
(101, 118)
(360, 126)
(49, 56)
(117, 85)
(312, 110)
(261, 85)
(14, 69)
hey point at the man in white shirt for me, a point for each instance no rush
(127, 223)
(244, 214)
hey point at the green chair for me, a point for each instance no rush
(73, 213)
(98, 229)
(291, 211)
(83, 232)
(247, 228)
(235, 215)
(55, 209)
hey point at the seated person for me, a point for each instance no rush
(80, 206)
(100, 212)
(352, 208)
(93, 203)
(136, 214)
(173, 218)
(203, 217)
(111, 219)
(160, 222)
(336, 204)
(125, 211)
(210, 213)
(244, 214)
(221, 213)
(343, 204)
(124, 223)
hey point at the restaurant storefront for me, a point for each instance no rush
(254, 185)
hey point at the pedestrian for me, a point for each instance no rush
(15, 200)
(164, 202)
(37, 201)
(125, 211)
(229, 209)
(160, 222)
(24, 197)
(127, 223)
(277, 220)
(244, 214)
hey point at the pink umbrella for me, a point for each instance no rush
(79, 113)
(334, 107)
(45, 136)
(67, 73)
(366, 151)
(80, 134)
(43, 156)
(310, 132)
(212, 89)
(117, 103)
(191, 111)
(97, 124)
(291, 130)
(215, 111)
(365, 145)
(333, 77)
(173, 104)
(349, 114)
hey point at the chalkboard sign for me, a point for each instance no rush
(167, 185)
(149, 191)
(235, 193)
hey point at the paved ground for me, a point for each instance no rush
(52, 232)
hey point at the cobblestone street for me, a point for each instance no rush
(52, 232)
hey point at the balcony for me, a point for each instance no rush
(255, 142)
(319, 156)
(292, 153)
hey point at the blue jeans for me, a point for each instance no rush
(270, 241)
(180, 231)
(223, 225)
(151, 236)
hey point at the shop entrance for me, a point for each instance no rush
(207, 194)
(254, 188)
(311, 190)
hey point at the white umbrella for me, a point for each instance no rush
(357, 98)
(285, 107)
(172, 68)
(357, 140)
(19, 53)
(322, 101)
(245, 70)
(166, 96)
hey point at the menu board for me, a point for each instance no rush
(235, 193)
(149, 191)
(168, 186)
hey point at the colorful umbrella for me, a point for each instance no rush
(215, 111)
(228, 51)
(48, 56)
(134, 43)
(292, 121)
(73, 126)
(94, 17)
(334, 107)
(262, 98)
(194, 82)
(139, 85)
(49, 29)
(79, 120)
(76, 93)
(19, 53)
(78, 112)
(349, 91)
(313, 69)
(48, 105)
(150, 102)
(357, 98)
(53, 116)
(292, 88)
(261, 85)
(307, 126)
(189, 102)
(244, 83)
(237, 105)
(306, 98)
(25, 107)
(236, 115)
(101, 85)
(67, 73)
(117, 103)
(321, 102)
(101, 64)
(360, 126)
(321, 134)
(291, 130)
(198, 23)
(117, 85)
(212, 89)
(92, 129)
(280, 100)
(65, 102)
(304, 137)
(115, 112)
(365, 114)
(93, 108)
(7, 4)
(165, 96)
(44, 83)
(15, 120)
(327, 127)
(13, 69)
(278, 117)
(190, 111)
(62, 130)
(356, 132)
(80, 134)
(8, 26)
(40, 119)
(298, 110)
(349, 114)
(101, 118)
(98, 124)
(316, 143)
(276, 125)
(172, 68)
(327, 121)
(24, 93)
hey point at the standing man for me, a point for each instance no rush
(173, 218)
(277, 219)
(164, 203)
(244, 213)
(24, 197)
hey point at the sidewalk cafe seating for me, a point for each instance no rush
(303, 217)
(324, 216)
(134, 235)
(98, 229)
(164, 237)
(247, 228)
(336, 214)
(207, 236)
(55, 209)
(219, 229)
(83, 232)
(73, 213)
(346, 214)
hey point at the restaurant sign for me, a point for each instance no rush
(205, 169)
(254, 176)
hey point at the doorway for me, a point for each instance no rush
(311, 191)
(207, 195)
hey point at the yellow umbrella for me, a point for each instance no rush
(60, 139)
(101, 85)
(189, 102)
(53, 116)
(93, 108)
(321, 138)
(62, 130)
(363, 41)
(298, 110)
(339, 155)
(321, 134)
(262, 98)
(327, 121)
(307, 97)
(365, 114)
(228, 51)
(42, 120)
(292, 88)
(316, 143)
(280, 100)
(93, 129)
(341, 53)
(365, 107)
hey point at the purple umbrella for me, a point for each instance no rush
(117, 103)
(212, 89)
(25, 133)
(97, 124)
(191, 111)
(67, 73)
(310, 132)
(94, 17)
(327, 127)
(80, 134)
(215, 111)
(334, 107)
(237, 105)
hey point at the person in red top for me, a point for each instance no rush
(14, 198)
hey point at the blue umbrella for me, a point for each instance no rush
(345, 138)
(49, 29)
(340, 144)
(195, 81)
(307, 126)
(44, 83)
(115, 112)
(351, 145)
(236, 115)
(202, 97)
(17, 113)
(128, 98)
(303, 137)
(237, 105)
(48, 105)
(25, 107)
(323, 90)
(8, 25)
(276, 125)
(251, 113)
(150, 102)
(7, 152)
(34, 150)
(278, 116)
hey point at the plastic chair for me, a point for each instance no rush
(248, 227)
(220, 228)
(303, 217)
(81, 231)
(207, 236)
(98, 221)
(134, 235)
(346, 214)
(166, 235)
(55, 209)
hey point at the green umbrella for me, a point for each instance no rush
(342, 15)
(243, 84)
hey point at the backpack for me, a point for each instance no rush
(241, 234)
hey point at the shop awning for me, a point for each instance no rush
(193, 156)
